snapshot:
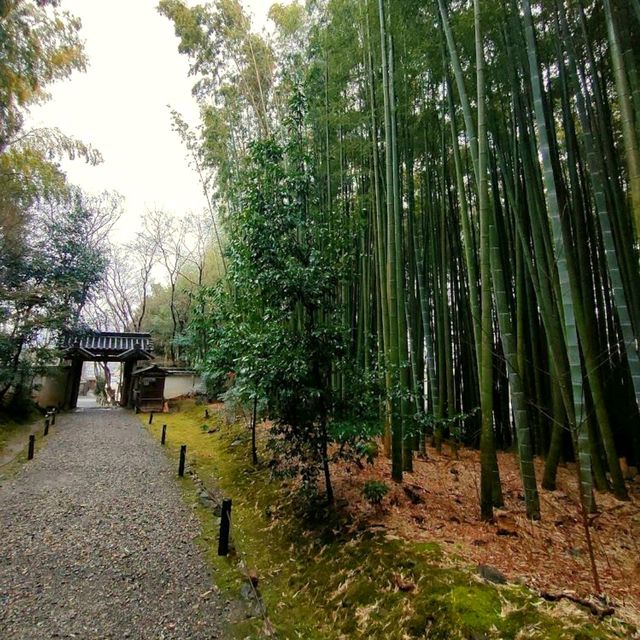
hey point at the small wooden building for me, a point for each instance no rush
(148, 388)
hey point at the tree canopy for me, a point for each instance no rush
(51, 234)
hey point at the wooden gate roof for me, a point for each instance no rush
(109, 345)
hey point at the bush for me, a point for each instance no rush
(374, 491)
(368, 450)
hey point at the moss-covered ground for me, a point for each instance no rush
(9, 429)
(14, 435)
(320, 579)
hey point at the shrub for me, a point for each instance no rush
(374, 491)
(368, 450)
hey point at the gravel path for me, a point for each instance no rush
(96, 541)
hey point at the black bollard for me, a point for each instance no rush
(32, 445)
(151, 417)
(225, 527)
(46, 426)
(183, 455)
(163, 438)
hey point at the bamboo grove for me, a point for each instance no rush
(483, 160)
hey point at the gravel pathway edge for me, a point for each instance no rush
(98, 542)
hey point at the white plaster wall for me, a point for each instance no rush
(49, 390)
(175, 386)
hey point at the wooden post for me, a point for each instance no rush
(151, 417)
(183, 455)
(225, 527)
(125, 391)
(32, 445)
(46, 426)
(254, 419)
(73, 383)
(163, 438)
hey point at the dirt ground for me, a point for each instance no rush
(439, 501)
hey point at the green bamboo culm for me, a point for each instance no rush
(487, 440)
(578, 428)
(393, 265)
(613, 271)
(630, 139)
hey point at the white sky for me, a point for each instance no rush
(120, 107)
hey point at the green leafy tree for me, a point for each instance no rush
(39, 44)
(277, 327)
(46, 281)
(51, 234)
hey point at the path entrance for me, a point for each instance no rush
(105, 346)
(97, 542)
(88, 401)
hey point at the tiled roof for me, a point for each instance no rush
(153, 369)
(110, 342)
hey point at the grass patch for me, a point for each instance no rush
(8, 430)
(322, 580)
(11, 427)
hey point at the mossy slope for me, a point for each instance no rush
(321, 580)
